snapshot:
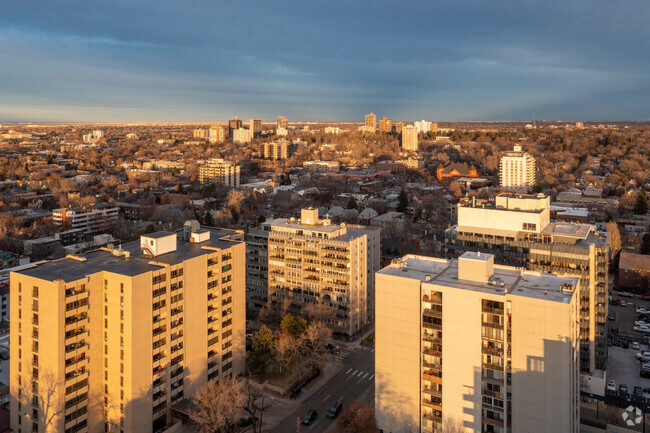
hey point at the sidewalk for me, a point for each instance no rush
(283, 406)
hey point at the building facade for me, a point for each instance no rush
(219, 171)
(282, 122)
(233, 124)
(517, 230)
(322, 166)
(488, 347)
(241, 135)
(275, 150)
(385, 125)
(217, 134)
(257, 267)
(409, 138)
(371, 122)
(331, 267)
(112, 340)
(517, 170)
(88, 219)
(255, 127)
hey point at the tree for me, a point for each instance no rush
(614, 236)
(262, 347)
(645, 246)
(44, 396)
(208, 219)
(256, 404)
(641, 206)
(356, 418)
(295, 326)
(402, 201)
(315, 339)
(452, 424)
(285, 350)
(217, 407)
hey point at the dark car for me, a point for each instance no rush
(333, 348)
(622, 388)
(644, 373)
(611, 316)
(335, 410)
(638, 392)
(625, 344)
(310, 417)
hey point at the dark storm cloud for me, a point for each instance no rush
(203, 60)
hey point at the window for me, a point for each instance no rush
(35, 292)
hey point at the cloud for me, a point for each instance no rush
(192, 60)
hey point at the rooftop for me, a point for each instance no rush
(72, 269)
(515, 282)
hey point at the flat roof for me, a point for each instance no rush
(444, 272)
(71, 269)
(158, 235)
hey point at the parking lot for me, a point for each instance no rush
(623, 365)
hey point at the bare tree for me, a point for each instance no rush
(357, 417)
(217, 407)
(452, 424)
(256, 404)
(43, 393)
(285, 350)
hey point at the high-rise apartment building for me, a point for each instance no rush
(255, 127)
(423, 126)
(371, 122)
(518, 231)
(409, 138)
(217, 134)
(233, 124)
(397, 127)
(111, 340)
(385, 125)
(275, 150)
(219, 171)
(314, 262)
(488, 347)
(282, 122)
(257, 267)
(241, 136)
(517, 169)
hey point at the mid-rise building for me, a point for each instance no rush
(322, 166)
(517, 170)
(217, 134)
(241, 135)
(397, 127)
(200, 133)
(94, 136)
(492, 348)
(409, 138)
(423, 126)
(233, 124)
(385, 125)
(275, 150)
(111, 340)
(282, 122)
(257, 267)
(371, 122)
(89, 219)
(219, 171)
(333, 130)
(255, 127)
(330, 266)
(518, 231)
(282, 132)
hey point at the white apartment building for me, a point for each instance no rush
(517, 170)
(89, 219)
(219, 171)
(517, 229)
(409, 138)
(216, 134)
(322, 166)
(241, 135)
(423, 126)
(331, 266)
(490, 347)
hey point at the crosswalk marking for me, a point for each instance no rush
(359, 374)
(348, 372)
(364, 376)
(370, 378)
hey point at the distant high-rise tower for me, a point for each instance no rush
(517, 169)
(409, 138)
(233, 124)
(371, 122)
(200, 133)
(385, 125)
(217, 134)
(282, 122)
(397, 127)
(255, 126)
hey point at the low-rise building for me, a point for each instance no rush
(322, 166)
(89, 219)
(634, 272)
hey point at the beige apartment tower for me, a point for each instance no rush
(112, 340)
(371, 122)
(465, 341)
(332, 266)
(385, 125)
(255, 127)
(517, 170)
(219, 171)
(409, 139)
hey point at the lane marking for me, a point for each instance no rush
(355, 372)
(360, 373)
(370, 378)
(328, 396)
(315, 422)
(348, 371)
(364, 376)
(373, 349)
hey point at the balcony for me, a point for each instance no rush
(492, 325)
(492, 310)
(491, 366)
(432, 366)
(432, 391)
(434, 404)
(430, 416)
(432, 312)
(432, 326)
(431, 338)
(490, 421)
(432, 352)
(492, 351)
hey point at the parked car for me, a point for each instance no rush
(646, 390)
(640, 308)
(643, 328)
(637, 393)
(335, 409)
(636, 346)
(645, 373)
(613, 302)
(622, 388)
(625, 344)
(641, 323)
(645, 298)
(611, 316)
(310, 417)
(622, 303)
(640, 355)
(626, 294)
(336, 350)
(611, 385)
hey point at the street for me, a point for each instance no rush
(355, 381)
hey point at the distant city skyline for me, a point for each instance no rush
(323, 61)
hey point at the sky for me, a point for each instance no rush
(331, 60)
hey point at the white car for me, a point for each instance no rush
(611, 386)
(640, 355)
(622, 303)
(636, 346)
(641, 323)
(643, 329)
